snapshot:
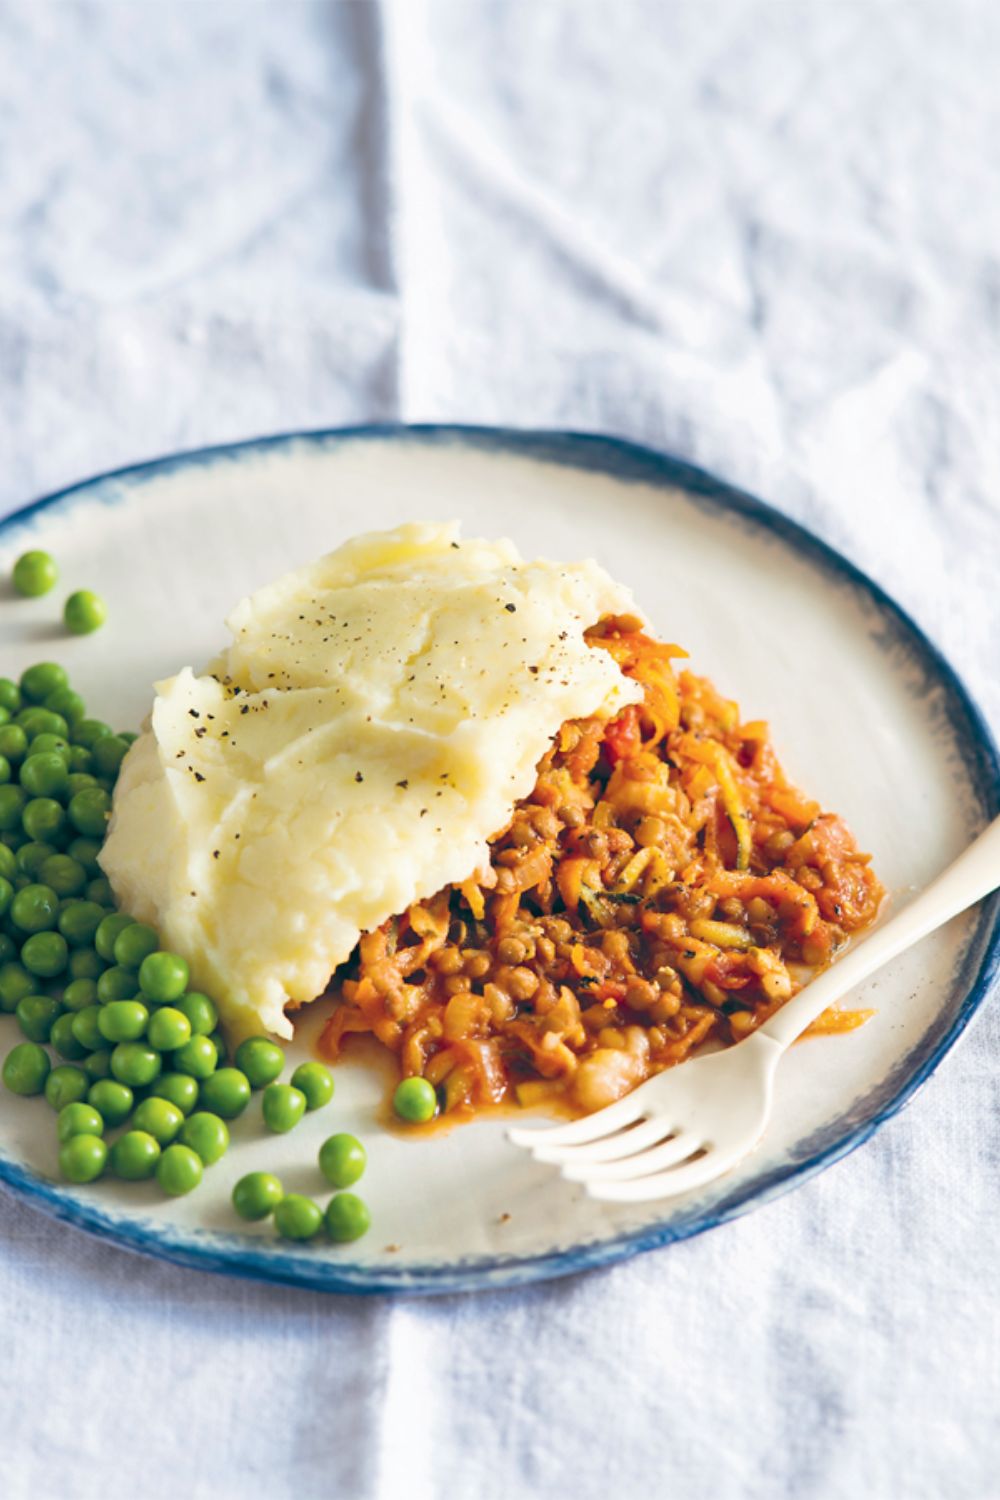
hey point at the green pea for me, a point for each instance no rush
(15, 983)
(25, 1069)
(159, 1118)
(134, 1156)
(8, 950)
(98, 1063)
(44, 774)
(10, 695)
(83, 1158)
(6, 894)
(43, 819)
(31, 856)
(63, 875)
(35, 572)
(6, 771)
(66, 1084)
(13, 801)
(342, 1160)
(37, 721)
(84, 612)
(63, 1038)
(89, 811)
(197, 1057)
(168, 1029)
(80, 764)
(315, 1081)
(135, 1064)
(8, 862)
(297, 1217)
(84, 963)
(45, 954)
(64, 701)
(415, 1101)
(35, 1015)
(88, 731)
(86, 1027)
(283, 1107)
(99, 890)
(49, 744)
(78, 922)
(135, 943)
(122, 1020)
(256, 1195)
(179, 1170)
(39, 681)
(115, 984)
(201, 1013)
(226, 1092)
(13, 743)
(109, 753)
(178, 1089)
(261, 1060)
(78, 1119)
(207, 1135)
(107, 934)
(347, 1218)
(85, 852)
(163, 977)
(222, 1051)
(112, 1100)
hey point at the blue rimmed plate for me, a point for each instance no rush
(866, 715)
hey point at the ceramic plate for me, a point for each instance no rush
(866, 716)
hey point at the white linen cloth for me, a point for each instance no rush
(762, 234)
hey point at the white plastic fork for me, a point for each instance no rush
(685, 1127)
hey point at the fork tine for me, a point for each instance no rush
(665, 1184)
(677, 1149)
(579, 1132)
(608, 1148)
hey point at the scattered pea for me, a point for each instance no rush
(163, 977)
(159, 1118)
(134, 1064)
(314, 1080)
(179, 1089)
(83, 1158)
(66, 1084)
(283, 1107)
(84, 612)
(35, 572)
(297, 1217)
(25, 1069)
(206, 1134)
(342, 1160)
(256, 1195)
(261, 1060)
(112, 1100)
(415, 1100)
(347, 1217)
(226, 1092)
(134, 943)
(78, 1119)
(179, 1170)
(134, 1156)
(197, 1057)
(168, 1029)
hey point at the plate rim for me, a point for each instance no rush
(628, 461)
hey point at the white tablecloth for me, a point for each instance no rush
(765, 235)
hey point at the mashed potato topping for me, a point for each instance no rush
(374, 722)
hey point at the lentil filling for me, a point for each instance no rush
(663, 885)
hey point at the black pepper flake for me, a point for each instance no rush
(198, 776)
(358, 776)
(215, 853)
(244, 708)
(511, 608)
(403, 784)
(180, 755)
(200, 733)
(532, 669)
(423, 812)
(194, 713)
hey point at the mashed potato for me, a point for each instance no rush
(375, 719)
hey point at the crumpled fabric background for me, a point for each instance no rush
(761, 233)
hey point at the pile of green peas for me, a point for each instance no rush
(137, 1051)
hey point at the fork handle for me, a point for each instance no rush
(972, 876)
